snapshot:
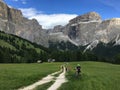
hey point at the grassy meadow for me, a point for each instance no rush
(95, 76)
(14, 76)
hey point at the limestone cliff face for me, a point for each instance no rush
(12, 21)
(108, 30)
(89, 28)
(82, 28)
(91, 16)
(10, 14)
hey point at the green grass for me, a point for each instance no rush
(44, 86)
(14, 76)
(95, 76)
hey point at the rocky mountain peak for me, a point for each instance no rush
(91, 16)
(10, 14)
(12, 21)
(89, 28)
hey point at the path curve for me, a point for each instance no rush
(46, 79)
(59, 81)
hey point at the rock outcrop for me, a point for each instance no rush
(13, 22)
(108, 30)
(89, 28)
(91, 16)
(82, 28)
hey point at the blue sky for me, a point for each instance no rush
(53, 12)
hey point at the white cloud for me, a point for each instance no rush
(49, 21)
(46, 20)
(29, 12)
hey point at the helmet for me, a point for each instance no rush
(78, 64)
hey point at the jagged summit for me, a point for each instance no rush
(91, 16)
(89, 28)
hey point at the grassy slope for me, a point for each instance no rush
(95, 76)
(13, 76)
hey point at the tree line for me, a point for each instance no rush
(61, 52)
(23, 52)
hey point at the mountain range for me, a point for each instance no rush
(87, 29)
(85, 37)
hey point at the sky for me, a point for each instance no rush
(50, 13)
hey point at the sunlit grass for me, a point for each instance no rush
(95, 76)
(14, 76)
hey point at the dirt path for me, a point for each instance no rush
(40, 82)
(59, 81)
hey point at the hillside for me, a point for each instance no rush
(14, 49)
(109, 52)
